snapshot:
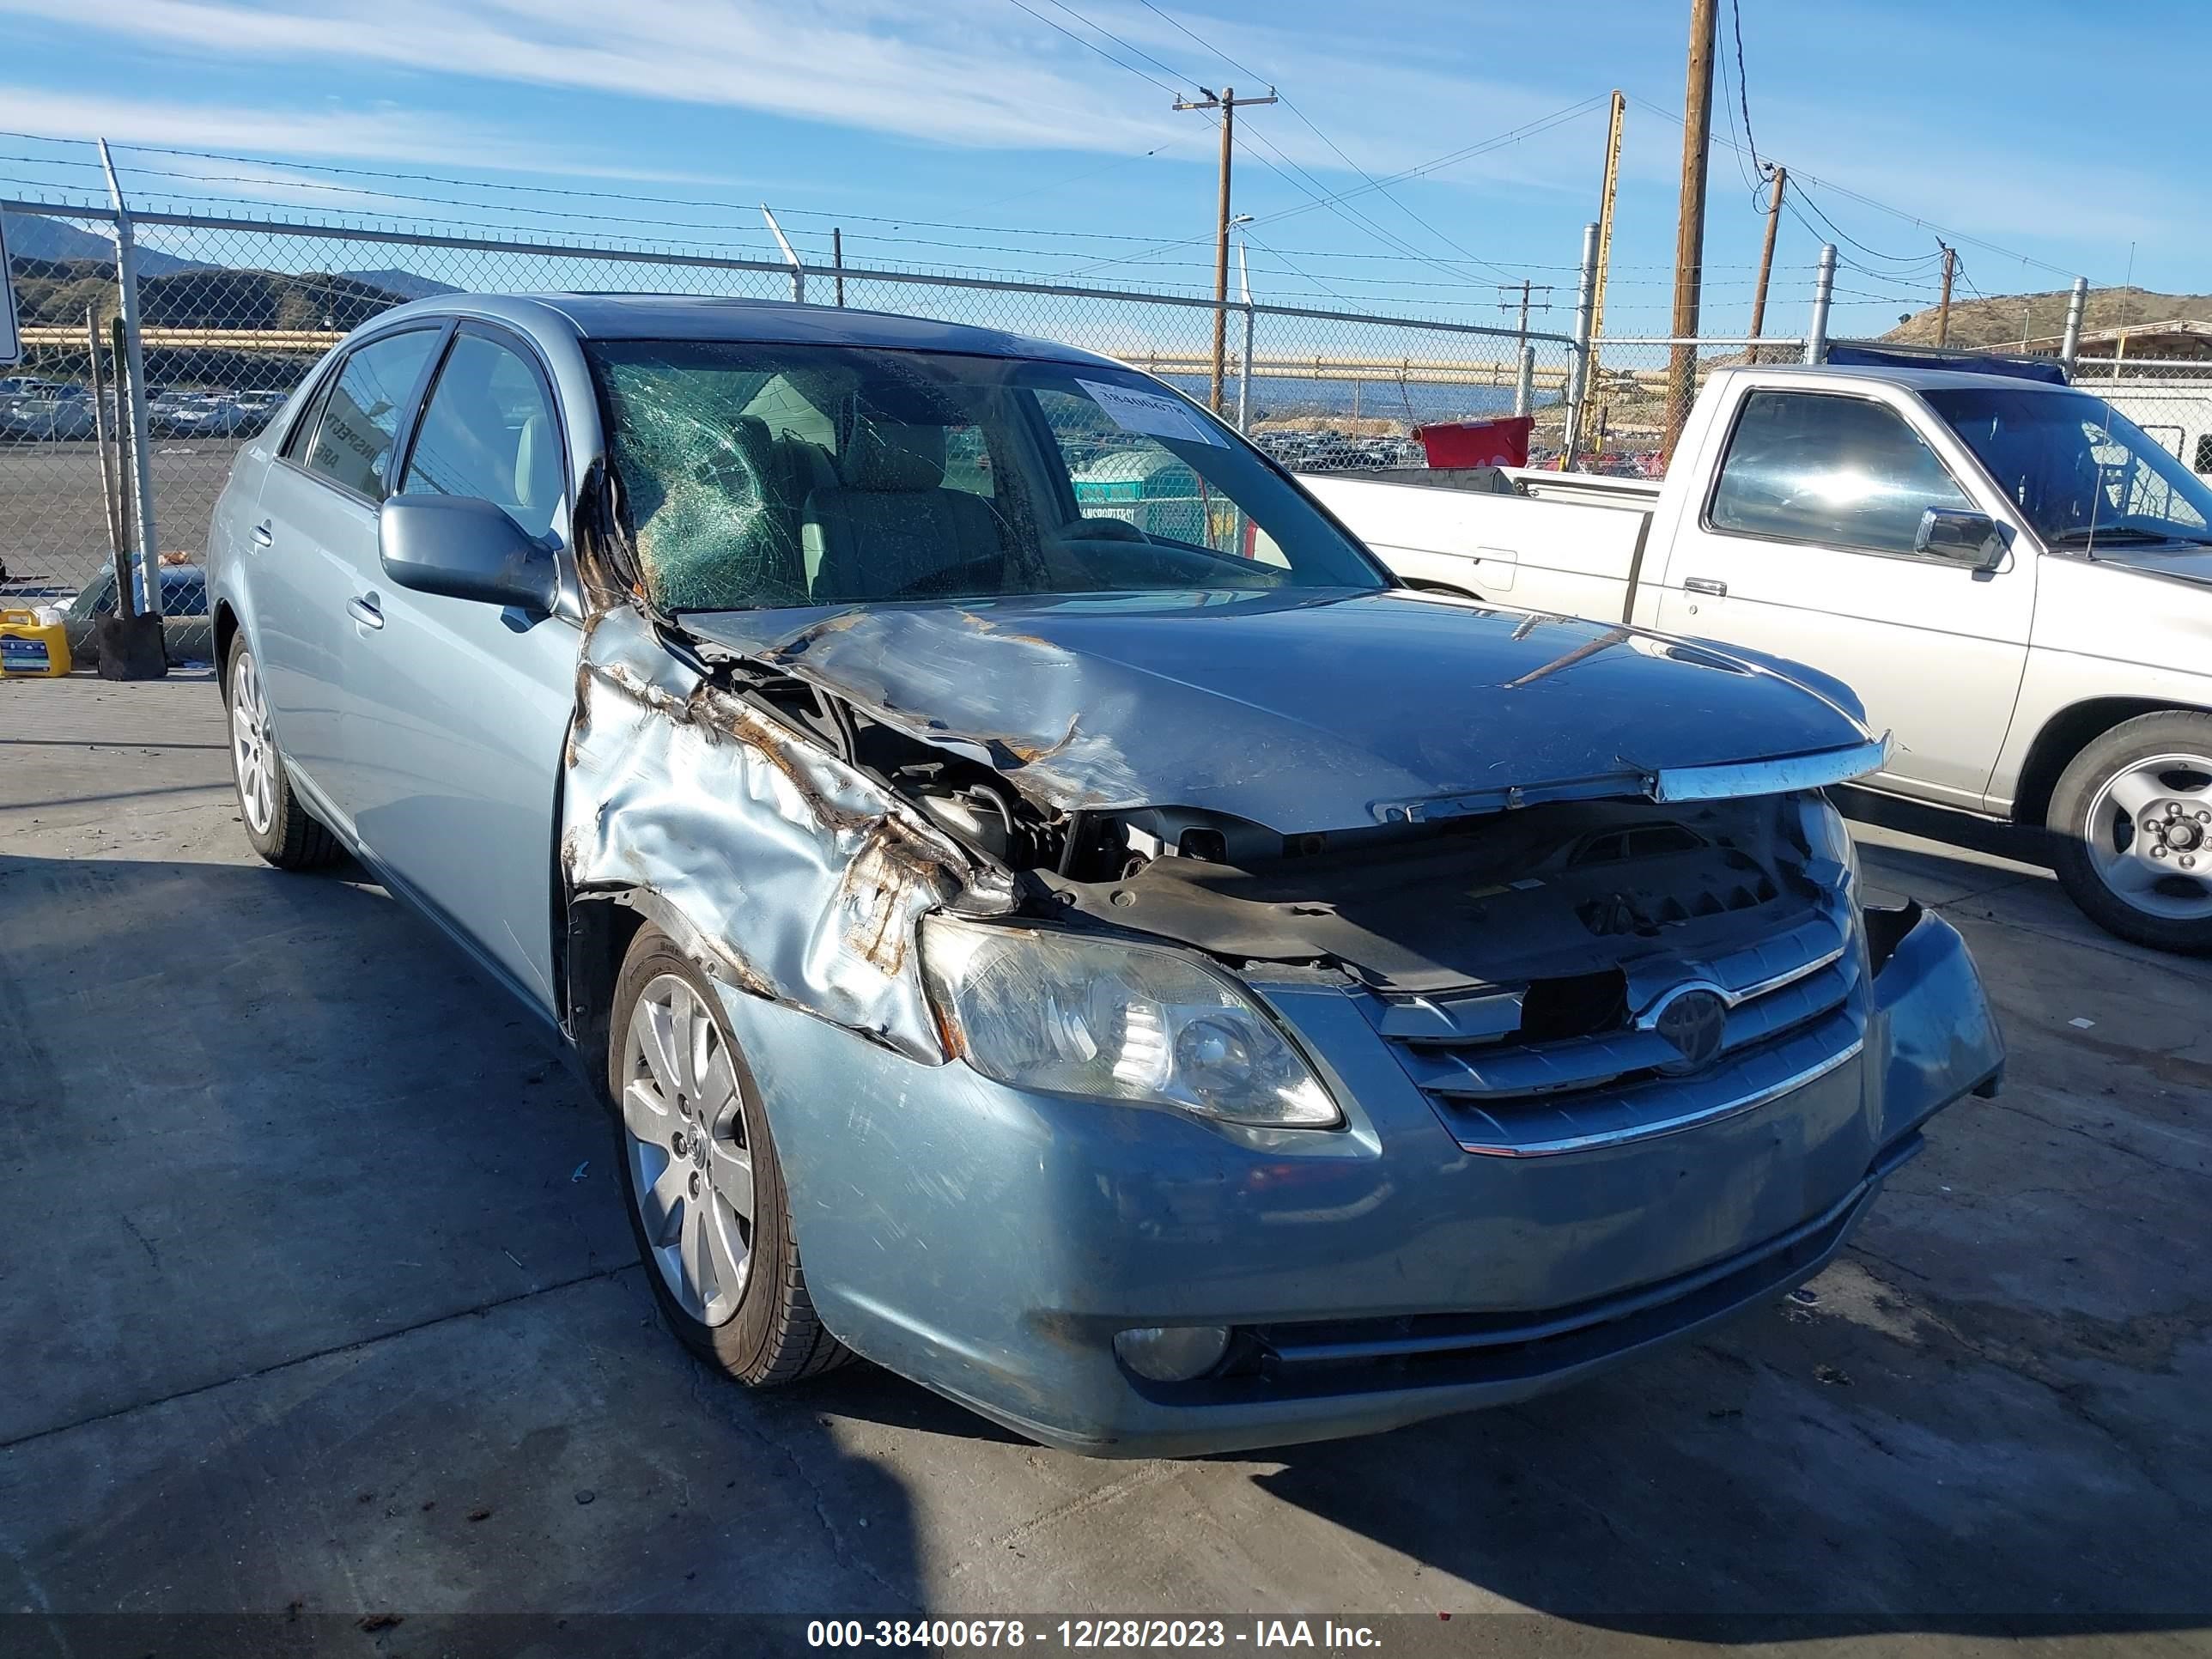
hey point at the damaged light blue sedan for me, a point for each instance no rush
(1046, 911)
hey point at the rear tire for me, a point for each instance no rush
(282, 830)
(2132, 826)
(707, 1204)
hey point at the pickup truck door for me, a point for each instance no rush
(463, 708)
(1802, 546)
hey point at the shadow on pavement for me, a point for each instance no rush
(320, 1300)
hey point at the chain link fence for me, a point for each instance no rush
(54, 536)
(233, 313)
(2170, 398)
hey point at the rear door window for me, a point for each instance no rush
(353, 438)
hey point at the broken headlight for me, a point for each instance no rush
(1835, 856)
(1046, 1010)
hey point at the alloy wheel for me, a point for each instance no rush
(2149, 836)
(692, 1171)
(252, 752)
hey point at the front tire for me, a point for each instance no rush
(2131, 820)
(707, 1200)
(282, 830)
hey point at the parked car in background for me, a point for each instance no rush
(199, 415)
(1168, 989)
(46, 411)
(2013, 576)
(186, 633)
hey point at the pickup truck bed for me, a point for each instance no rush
(1567, 541)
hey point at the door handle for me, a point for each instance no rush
(1707, 584)
(362, 609)
(262, 535)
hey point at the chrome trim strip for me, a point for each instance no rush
(1771, 777)
(1788, 976)
(1751, 1102)
(1649, 1017)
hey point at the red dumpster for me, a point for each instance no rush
(1502, 442)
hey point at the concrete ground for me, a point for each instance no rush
(316, 1297)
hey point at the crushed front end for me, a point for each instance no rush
(1592, 1073)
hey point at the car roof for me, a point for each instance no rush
(698, 317)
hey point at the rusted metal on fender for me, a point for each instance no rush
(667, 774)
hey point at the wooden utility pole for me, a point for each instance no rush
(1690, 227)
(1226, 101)
(1943, 305)
(1779, 178)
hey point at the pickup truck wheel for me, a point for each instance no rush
(281, 830)
(707, 1197)
(2132, 820)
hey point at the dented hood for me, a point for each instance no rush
(1303, 712)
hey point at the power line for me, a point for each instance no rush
(1727, 106)
(1911, 218)
(1314, 127)
(1164, 68)
(1497, 141)
(1206, 45)
(1308, 275)
(1093, 45)
(1743, 87)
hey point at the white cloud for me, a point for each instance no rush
(976, 73)
(382, 133)
(945, 76)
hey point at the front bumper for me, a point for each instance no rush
(988, 1241)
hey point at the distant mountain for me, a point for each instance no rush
(34, 236)
(220, 298)
(405, 283)
(2041, 318)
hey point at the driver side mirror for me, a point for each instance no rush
(1961, 537)
(465, 549)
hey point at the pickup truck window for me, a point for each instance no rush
(1837, 471)
(761, 476)
(2079, 471)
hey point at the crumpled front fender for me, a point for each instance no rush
(1933, 1033)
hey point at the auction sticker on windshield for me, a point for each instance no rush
(1153, 413)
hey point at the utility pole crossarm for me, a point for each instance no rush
(1228, 103)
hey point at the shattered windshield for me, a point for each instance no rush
(2080, 472)
(758, 476)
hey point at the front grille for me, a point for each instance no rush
(1508, 1086)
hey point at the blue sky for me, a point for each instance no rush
(2059, 131)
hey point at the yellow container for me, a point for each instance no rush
(30, 647)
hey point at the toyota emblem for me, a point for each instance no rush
(1695, 1023)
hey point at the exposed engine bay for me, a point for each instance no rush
(1549, 891)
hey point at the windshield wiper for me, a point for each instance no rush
(2134, 535)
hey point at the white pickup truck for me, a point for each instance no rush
(2014, 578)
